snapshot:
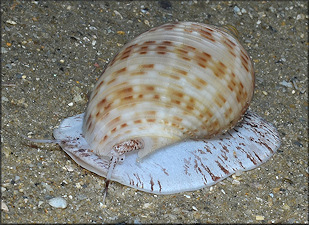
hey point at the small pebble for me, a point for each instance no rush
(146, 205)
(120, 32)
(103, 206)
(272, 9)
(236, 9)
(92, 28)
(259, 199)
(11, 22)
(194, 208)
(136, 221)
(69, 168)
(4, 207)
(147, 23)
(286, 207)
(9, 66)
(86, 39)
(271, 195)
(40, 203)
(258, 217)
(77, 98)
(300, 17)
(58, 202)
(4, 99)
(48, 187)
(286, 84)
(118, 14)
(236, 182)
(3, 50)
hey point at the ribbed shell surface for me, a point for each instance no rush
(173, 82)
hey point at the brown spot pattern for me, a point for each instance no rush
(99, 85)
(228, 112)
(137, 73)
(128, 98)
(149, 42)
(121, 71)
(156, 97)
(101, 103)
(177, 118)
(147, 66)
(128, 90)
(123, 125)
(167, 43)
(108, 106)
(201, 81)
(149, 87)
(182, 72)
(111, 81)
(169, 26)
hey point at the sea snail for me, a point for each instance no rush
(169, 113)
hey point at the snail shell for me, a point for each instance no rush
(174, 82)
(171, 97)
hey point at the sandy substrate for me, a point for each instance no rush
(52, 53)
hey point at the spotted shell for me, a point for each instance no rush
(173, 82)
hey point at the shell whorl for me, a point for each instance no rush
(175, 81)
